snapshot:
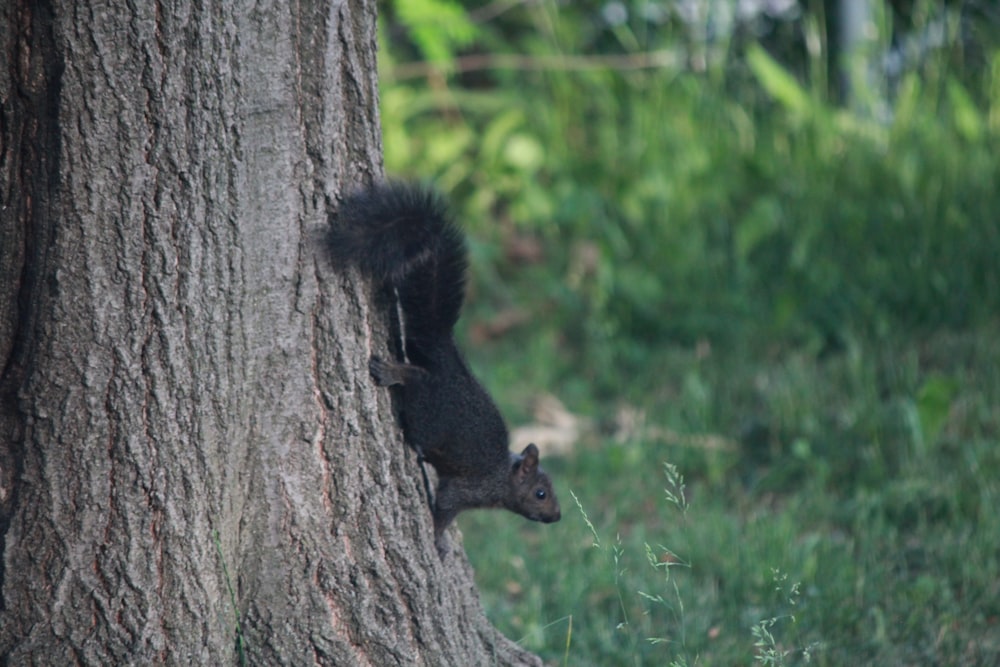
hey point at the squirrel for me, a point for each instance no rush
(403, 236)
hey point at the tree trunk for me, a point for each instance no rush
(859, 72)
(195, 466)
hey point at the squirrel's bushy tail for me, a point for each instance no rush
(403, 235)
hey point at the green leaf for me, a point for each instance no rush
(779, 84)
(933, 405)
(524, 152)
(761, 221)
(437, 27)
(967, 117)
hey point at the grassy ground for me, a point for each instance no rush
(836, 510)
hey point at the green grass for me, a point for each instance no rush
(853, 521)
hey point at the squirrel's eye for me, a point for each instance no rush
(540, 494)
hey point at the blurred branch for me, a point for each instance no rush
(559, 63)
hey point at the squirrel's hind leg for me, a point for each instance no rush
(390, 373)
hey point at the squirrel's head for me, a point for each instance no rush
(531, 489)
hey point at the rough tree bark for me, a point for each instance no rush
(184, 401)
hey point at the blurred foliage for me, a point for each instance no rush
(684, 183)
(677, 211)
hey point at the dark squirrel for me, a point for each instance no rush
(402, 236)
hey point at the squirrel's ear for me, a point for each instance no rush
(529, 459)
